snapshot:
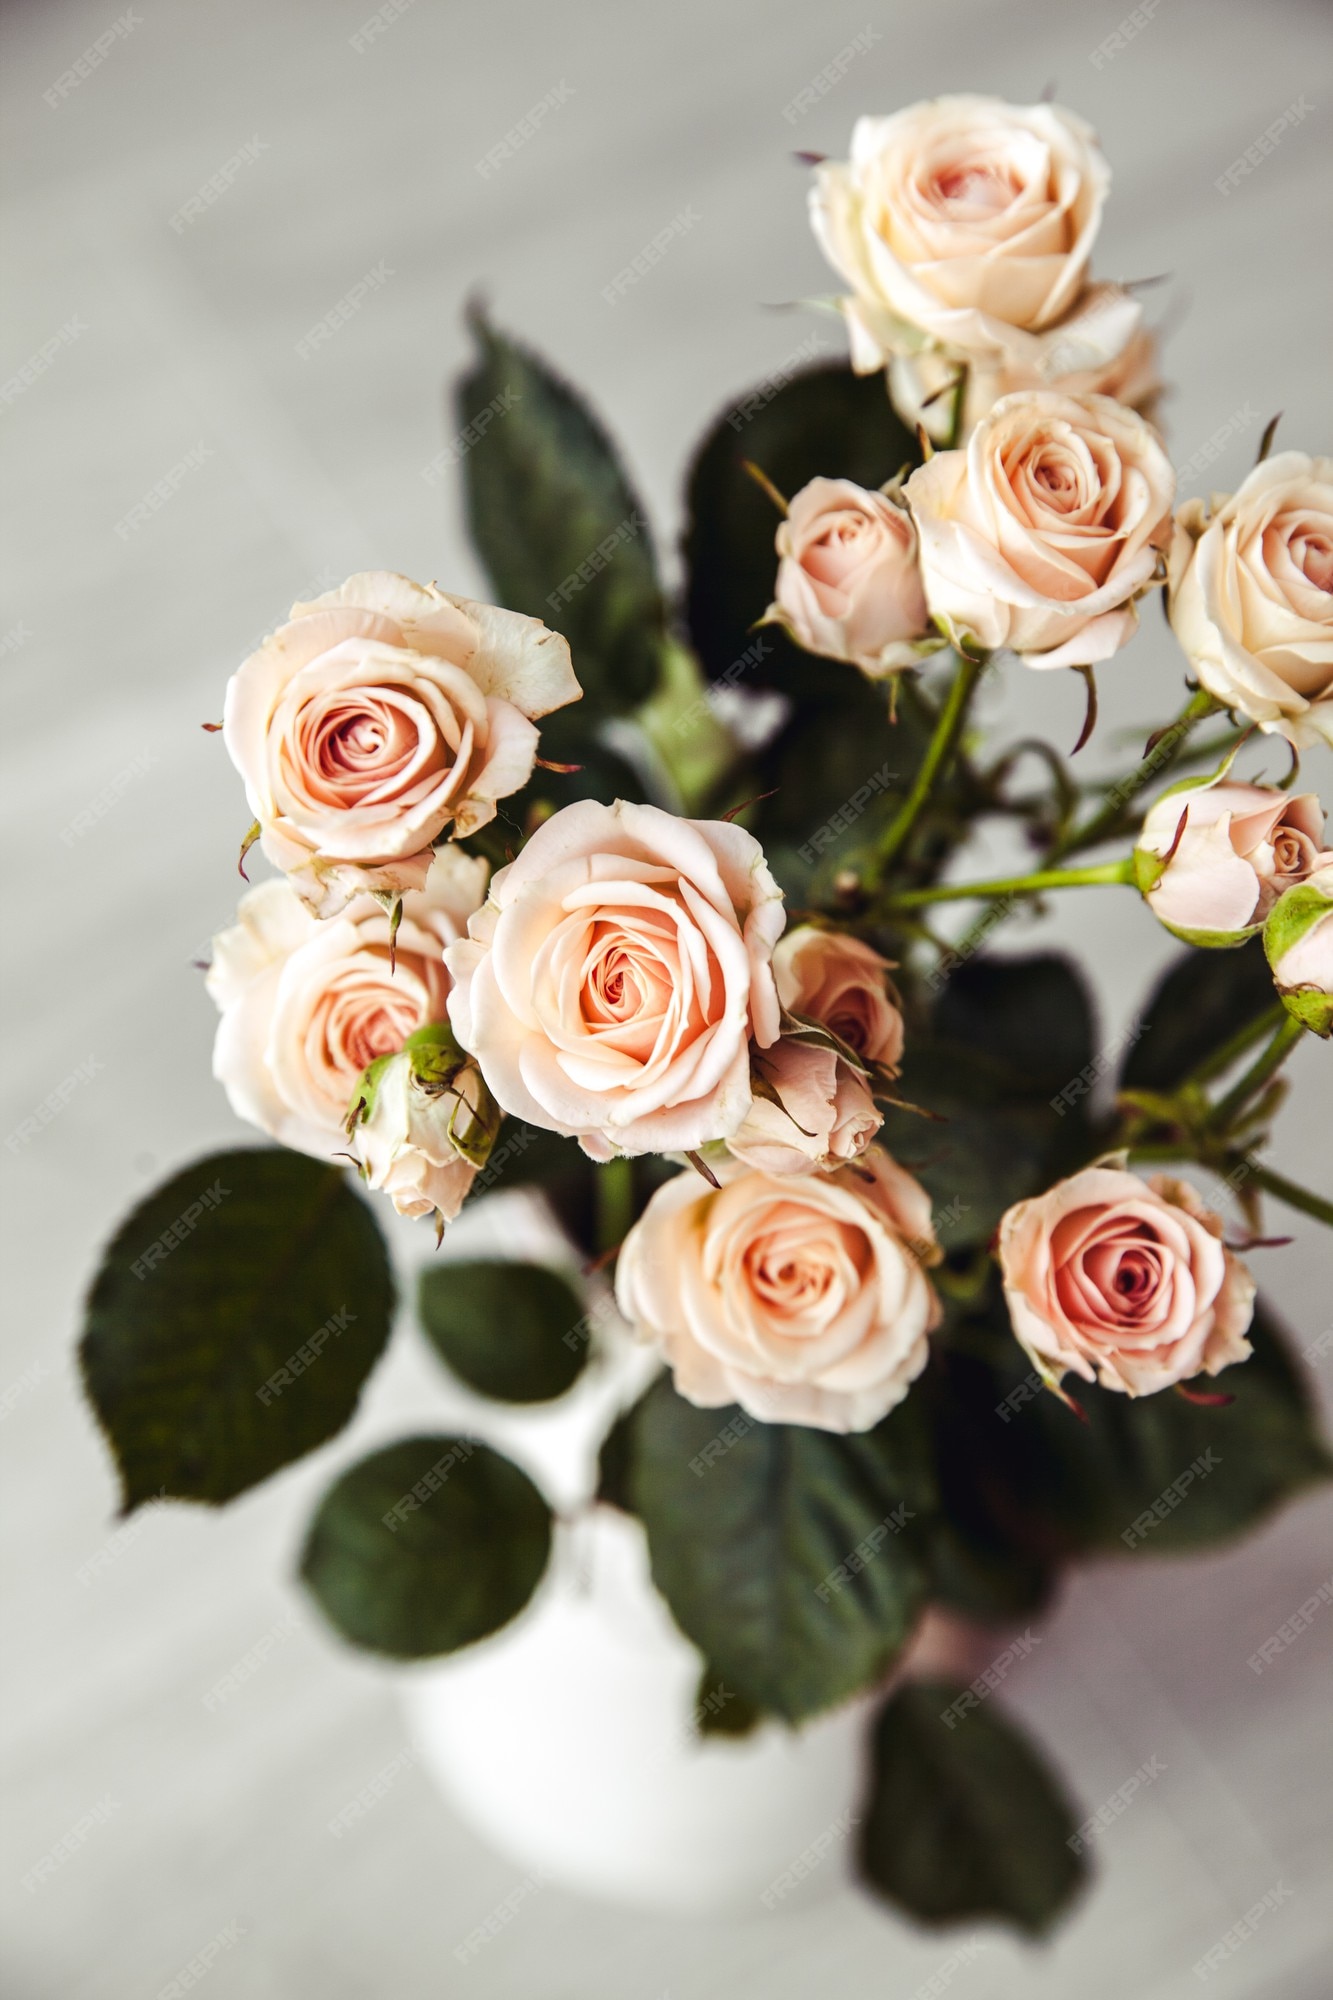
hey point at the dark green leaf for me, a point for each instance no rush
(546, 494)
(750, 1530)
(1032, 1015)
(720, 1711)
(513, 1331)
(824, 421)
(426, 1546)
(965, 1821)
(1019, 1468)
(233, 1321)
(1204, 999)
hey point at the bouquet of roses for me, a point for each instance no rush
(631, 903)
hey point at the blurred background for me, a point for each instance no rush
(323, 146)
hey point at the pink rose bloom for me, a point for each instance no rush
(307, 1005)
(811, 1109)
(834, 979)
(962, 224)
(803, 1299)
(1039, 536)
(848, 587)
(384, 713)
(1232, 851)
(1124, 1282)
(611, 984)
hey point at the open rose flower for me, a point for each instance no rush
(963, 225)
(1039, 535)
(803, 1299)
(843, 984)
(1250, 596)
(811, 1109)
(611, 984)
(848, 585)
(1298, 939)
(1124, 1282)
(1214, 859)
(307, 1005)
(383, 714)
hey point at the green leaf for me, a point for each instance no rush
(750, 1530)
(720, 1711)
(825, 420)
(965, 1822)
(1032, 1015)
(426, 1546)
(1201, 1001)
(1020, 1468)
(1006, 1038)
(233, 1321)
(514, 1331)
(546, 494)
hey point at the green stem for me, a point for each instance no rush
(1266, 1064)
(1106, 820)
(1294, 1196)
(615, 1202)
(1231, 1051)
(948, 728)
(1016, 885)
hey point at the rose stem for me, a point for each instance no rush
(1231, 1051)
(1016, 885)
(1282, 1189)
(948, 728)
(1160, 758)
(1223, 1114)
(615, 1203)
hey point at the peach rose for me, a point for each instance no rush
(963, 224)
(1298, 939)
(848, 587)
(1250, 595)
(1213, 859)
(811, 1109)
(1040, 535)
(836, 980)
(382, 714)
(307, 1005)
(611, 984)
(803, 1299)
(1124, 1282)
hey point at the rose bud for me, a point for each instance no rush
(1298, 939)
(843, 984)
(1213, 859)
(1250, 596)
(306, 1005)
(1123, 1282)
(848, 585)
(613, 981)
(804, 1298)
(811, 1109)
(383, 715)
(1041, 534)
(422, 1124)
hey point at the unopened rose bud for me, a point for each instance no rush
(1213, 859)
(1298, 938)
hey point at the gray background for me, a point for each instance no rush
(121, 650)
